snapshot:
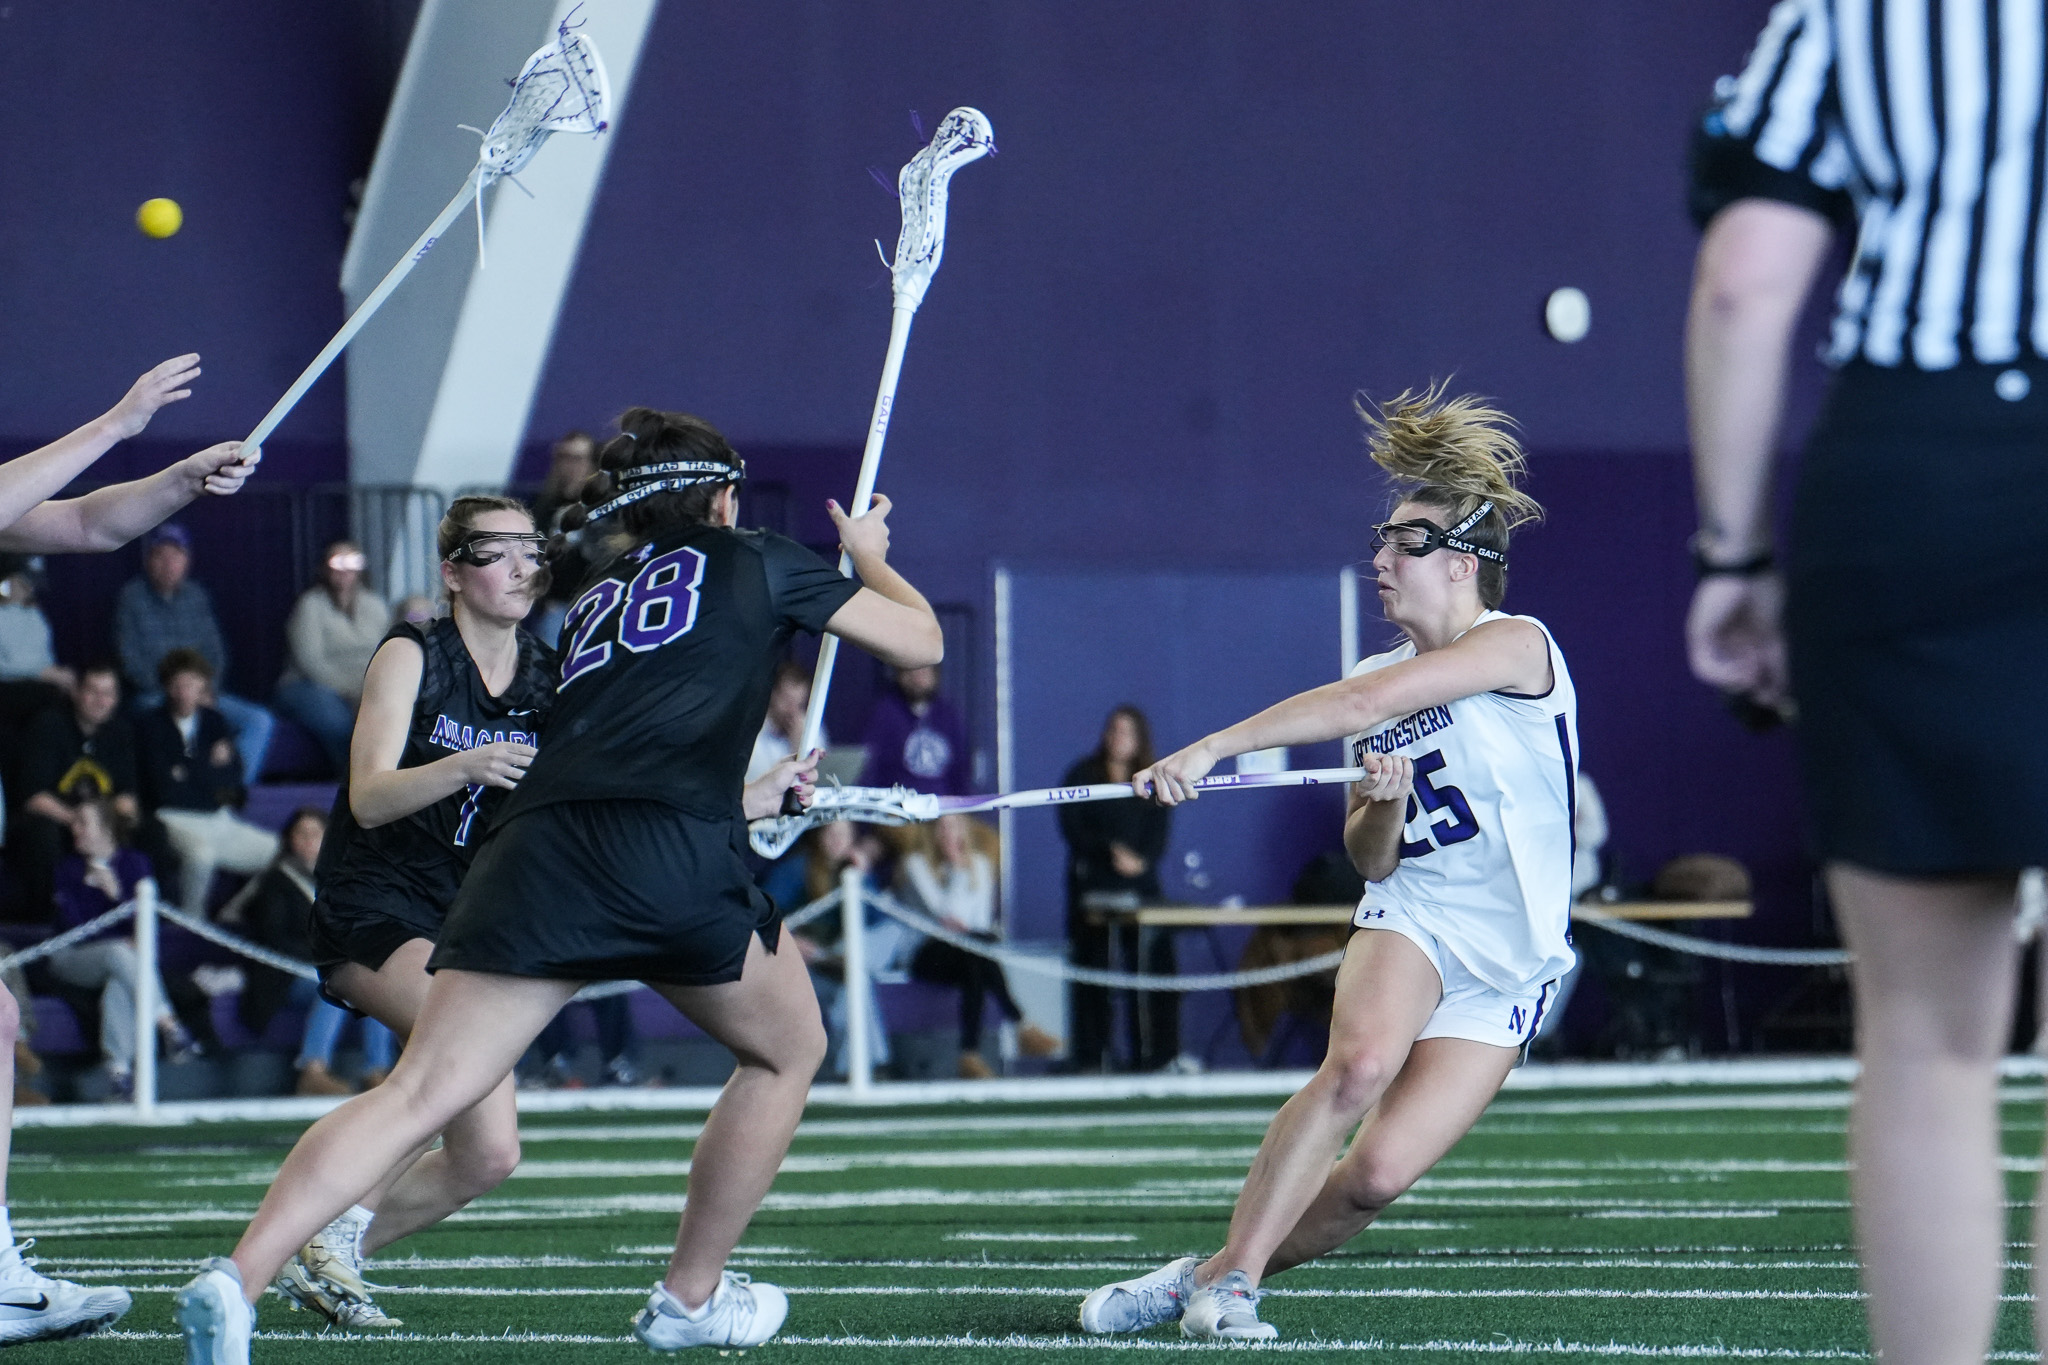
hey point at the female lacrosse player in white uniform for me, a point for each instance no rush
(1463, 830)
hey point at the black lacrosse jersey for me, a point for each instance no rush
(667, 658)
(422, 856)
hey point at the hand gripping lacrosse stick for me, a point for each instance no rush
(964, 136)
(561, 89)
(901, 806)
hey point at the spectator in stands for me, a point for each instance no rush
(915, 737)
(950, 874)
(165, 610)
(827, 852)
(191, 779)
(276, 910)
(783, 729)
(571, 463)
(31, 679)
(83, 750)
(1115, 846)
(416, 610)
(333, 630)
(556, 1045)
(100, 875)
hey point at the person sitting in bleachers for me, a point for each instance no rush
(334, 628)
(783, 727)
(949, 873)
(191, 780)
(165, 610)
(31, 679)
(276, 910)
(70, 753)
(101, 874)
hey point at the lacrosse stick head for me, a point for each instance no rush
(561, 89)
(964, 136)
(776, 835)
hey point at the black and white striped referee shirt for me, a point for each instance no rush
(1922, 123)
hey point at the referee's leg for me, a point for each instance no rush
(1934, 974)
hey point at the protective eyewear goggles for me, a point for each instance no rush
(480, 549)
(1424, 537)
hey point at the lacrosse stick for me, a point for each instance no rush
(562, 88)
(902, 806)
(964, 136)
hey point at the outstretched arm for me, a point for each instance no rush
(34, 478)
(108, 518)
(1497, 656)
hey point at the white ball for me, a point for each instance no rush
(1567, 314)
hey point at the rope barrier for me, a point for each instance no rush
(90, 929)
(235, 943)
(1090, 976)
(1729, 952)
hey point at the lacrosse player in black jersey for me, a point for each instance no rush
(618, 857)
(448, 722)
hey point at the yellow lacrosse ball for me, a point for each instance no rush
(159, 217)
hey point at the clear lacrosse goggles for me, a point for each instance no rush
(482, 548)
(1424, 537)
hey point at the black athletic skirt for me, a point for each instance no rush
(367, 929)
(608, 891)
(1917, 616)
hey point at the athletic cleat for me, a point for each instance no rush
(326, 1277)
(36, 1308)
(1134, 1305)
(739, 1313)
(214, 1317)
(1227, 1310)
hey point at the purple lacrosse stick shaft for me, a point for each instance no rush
(1112, 791)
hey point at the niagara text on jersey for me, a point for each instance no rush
(1486, 850)
(667, 657)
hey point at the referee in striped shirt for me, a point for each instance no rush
(1914, 637)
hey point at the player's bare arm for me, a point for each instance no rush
(1378, 809)
(1497, 656)
(763, 796)
(108, 518)
(379, 791)
(888, 618)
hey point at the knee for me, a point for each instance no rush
(1371, 1182)
(1355, 1079)
(10, 1020)
(484, 1166)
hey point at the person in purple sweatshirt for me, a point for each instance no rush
(916, 738)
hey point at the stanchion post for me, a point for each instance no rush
(853, 948)
(145, 998)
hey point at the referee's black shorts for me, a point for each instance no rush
(1917, 617)
(621, 890)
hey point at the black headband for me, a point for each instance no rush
(1435, 538)
(644, 481)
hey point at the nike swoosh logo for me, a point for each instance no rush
(42, 1302)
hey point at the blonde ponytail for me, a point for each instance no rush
(1454, 455)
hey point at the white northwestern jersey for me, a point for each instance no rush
(1486, 853)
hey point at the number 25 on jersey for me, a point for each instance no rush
(657, 608)
(1458, 826)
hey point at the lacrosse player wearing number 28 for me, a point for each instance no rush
(618, 857)
(1469, 729)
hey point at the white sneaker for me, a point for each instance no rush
(214, 1317)
(739, 1313)
(1134, 1305)
(1227, 1310)
(36, 1308)
(326, 1277)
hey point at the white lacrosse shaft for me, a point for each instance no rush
(963, 136)
(366, 310)
(1113, 791)
(863, 498)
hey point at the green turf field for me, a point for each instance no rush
(1678, 1222)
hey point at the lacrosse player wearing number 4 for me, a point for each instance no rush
(1469, 730)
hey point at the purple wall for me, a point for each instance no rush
(1207, 225)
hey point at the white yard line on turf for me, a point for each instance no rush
(1041, 1236)
(1071, 1291)
(1832, 1071)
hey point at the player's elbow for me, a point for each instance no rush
(920, 643)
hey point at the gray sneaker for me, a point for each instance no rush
(1227, 1310)
(214, 1317)
(326, 1277)
(1134, 1305)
